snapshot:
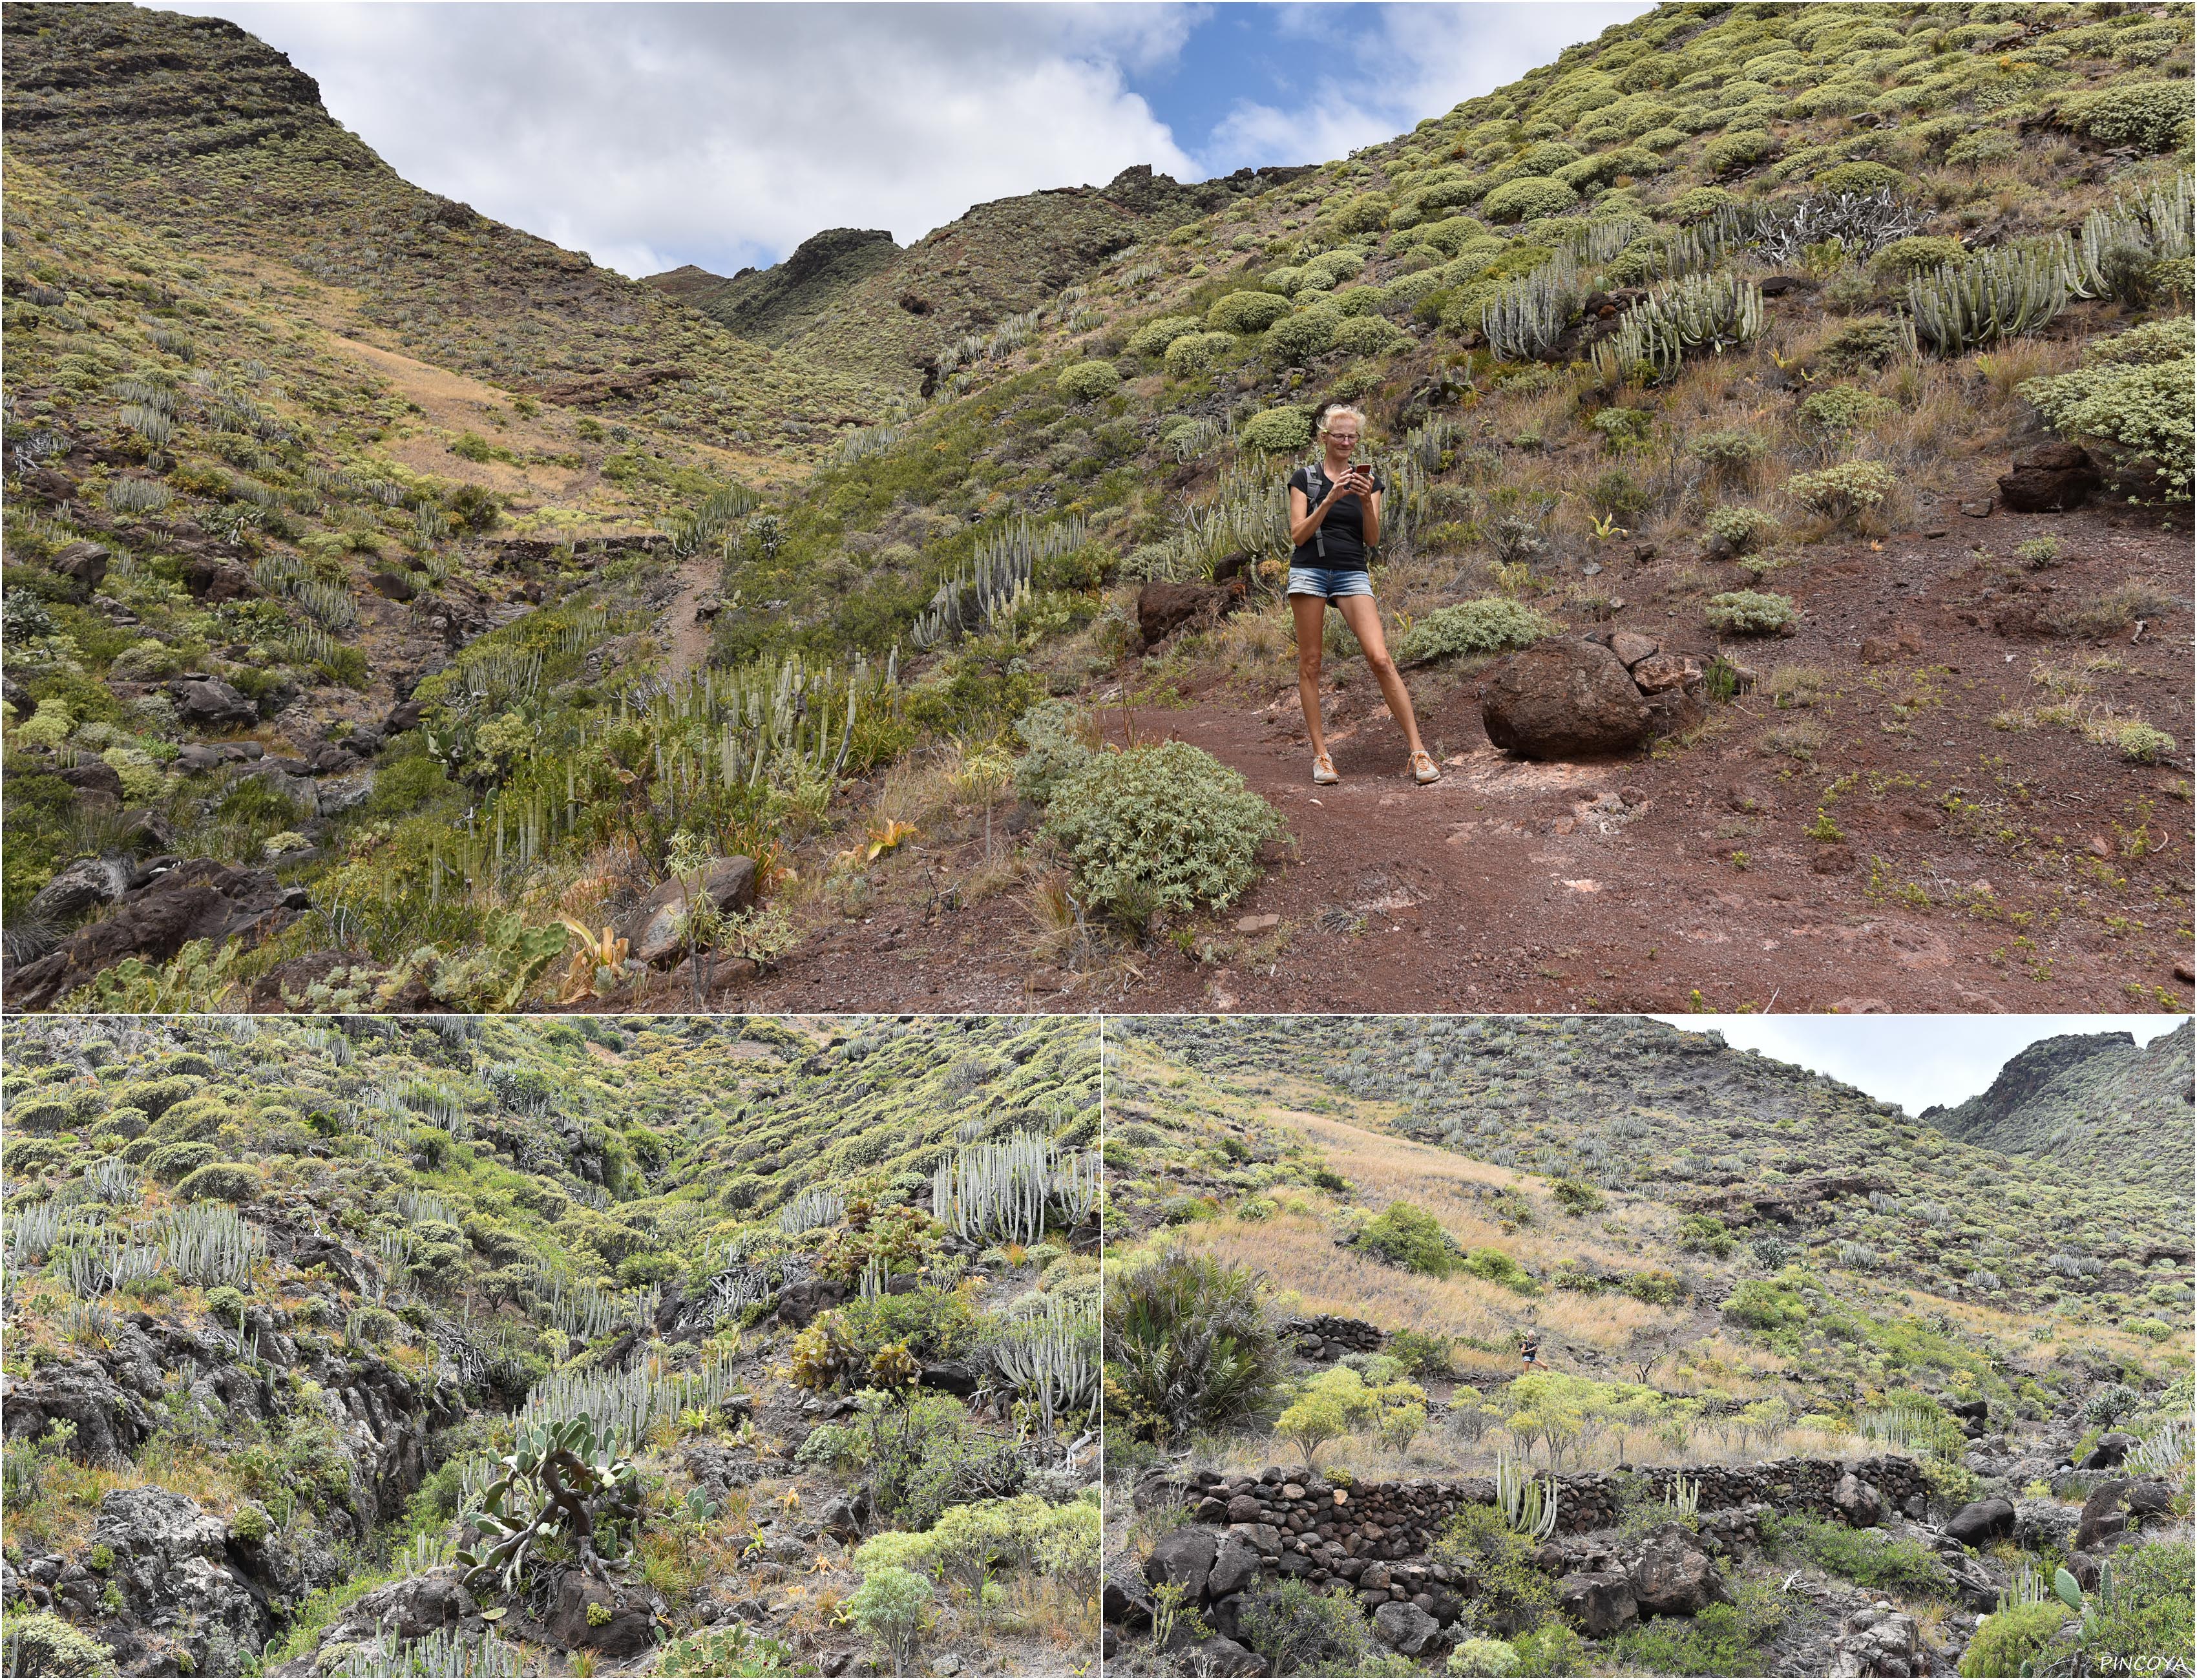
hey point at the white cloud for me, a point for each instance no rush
(1370, 84)
(652, 135)
(1913, 1060)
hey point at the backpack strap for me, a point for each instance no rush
(1316, 488)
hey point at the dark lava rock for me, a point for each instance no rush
(1599, 1602)
(1564, 699)
(2050, 480)
(1980, 1520)
(652, 931)
(1675, 1575)
(201, 899)
(1164, 608)
(1183, 1558)
(208, 702)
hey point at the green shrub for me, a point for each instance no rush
(1729, 153)
(1154, 337)
(1919, 253)
(1741, 529)
(1245, 312)
(1860, 175)
(2133, 402)
(173, 1162)
(1086, 381)
(1195, 352)
(2140, 1622)
(1554, 1649)
(2008, 1643)
(1654, 1286)
(1276, 430)
(1187, 1347)
(1492, 1659)
(1707, 1234)
(41, 1643)
(1299, 1630)
(2152, 115)
(1365, 213)
(1869, 341)
(1303, 335)
(1751, 613)
(1060, 740)
(1698, 204)
(1842, 407)
(2141, 744)
(890, 1606)
(1411, 1238)
(1761, 1303)
(1500, 1560)
(1419, 1354)
(1488, 625)
(1161, 825)
(1368, 335)
(1495, 1266)
(1868, 1557)
(1842, 492)
(1527, 197)
(220, 1181)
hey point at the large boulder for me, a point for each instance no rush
(1185, 1558)
(1858, 1501)
(1599, 1602)
(208, 702)
(652, 931)
(1564, 699)
(1981, 1521)
(2104, 1515)
(802, 1299)
(1235, 1566)
(1126, 1598)
(1164, 608)
(2113, 1447)
(400, 1613)
(1675, 1575)
(78, 887)
(1405, 1629)
(2050, 480)
(111, 1422)
(199, 900)
(172, 1572)
(591, 1616)
(1221, 1656)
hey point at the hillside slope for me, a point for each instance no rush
(847, 298)
(1386, 1311)
(2133, 1104)
(191, 127)
(1924, 748)
(280, 1296)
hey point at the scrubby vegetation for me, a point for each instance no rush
(725, 1336)
(1774, 1333)
(278, 422)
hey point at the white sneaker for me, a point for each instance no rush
(1423, 768)
(1323, 771)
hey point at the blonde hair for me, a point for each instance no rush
(1337, 412)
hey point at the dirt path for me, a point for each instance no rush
(687, 629)
(1974, 867)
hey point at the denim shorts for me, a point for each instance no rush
(1328, 584)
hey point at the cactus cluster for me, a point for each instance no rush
(1526, 318)
(1529, 1504)
(818, 1206)
(996, 581)
(1051, 1357)
(1003, 1192)
(1703, 312)
(2002, 292)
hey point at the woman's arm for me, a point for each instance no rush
(1371, 505)
(1305, 520)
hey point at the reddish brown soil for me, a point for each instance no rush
(1980, 869)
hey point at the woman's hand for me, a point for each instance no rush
(1355, 482)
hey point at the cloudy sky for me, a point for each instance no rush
(651, 135)
(1913, 1060)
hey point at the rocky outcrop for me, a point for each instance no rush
(397, 1614)
(1325, 1336)
(199, 900)
(179, 1588)
(1675, 1576)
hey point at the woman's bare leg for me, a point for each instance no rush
(1364, 620)
(1310, 614)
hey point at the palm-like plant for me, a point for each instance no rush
(1187, 1346)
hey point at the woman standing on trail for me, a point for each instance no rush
(1335, 519)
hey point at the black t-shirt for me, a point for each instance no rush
(1338, 543)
